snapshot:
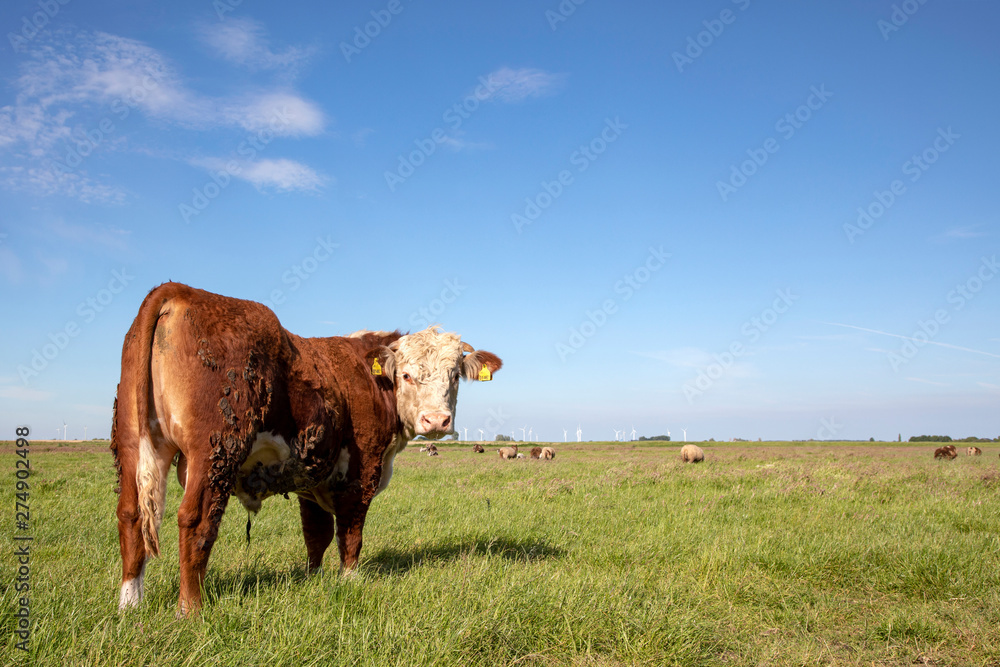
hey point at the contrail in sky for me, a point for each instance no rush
(915, 340)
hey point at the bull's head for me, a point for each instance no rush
(425, 368)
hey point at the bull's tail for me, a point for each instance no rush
(150, 480)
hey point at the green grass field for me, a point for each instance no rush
(766, 554)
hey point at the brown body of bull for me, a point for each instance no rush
(947, 452)
(478, 449)
(548, 453)
(255, 410)
(973, 451)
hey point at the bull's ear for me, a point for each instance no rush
(382, 363)
(480, 365)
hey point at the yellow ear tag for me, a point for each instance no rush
(376, 367)
(484, 374)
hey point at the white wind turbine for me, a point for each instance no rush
(565, 434)
(64, 429)
(480, 435)
(530, 436)
(579, 433)
(84, 432)
(523, 429)
(633, 431)
(466, 429)
(685, 434)
(616, 434)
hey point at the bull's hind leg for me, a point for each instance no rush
(133, 550)
(140, 506)
(198, 527)
(317, 529)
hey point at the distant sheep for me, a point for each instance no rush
(507, 452)
(692, 454)
(520, 455)
(536, 452)
(973, 451)
(948, 452)
(433, 452)
(548, 453)
(478, 449)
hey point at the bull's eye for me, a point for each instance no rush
(406, 376)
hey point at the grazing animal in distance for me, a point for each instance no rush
(973, 451)
(692, 454)
(251, 409)
(478, 449)
(948, 452)
(548, 453)
(508, 452)
(433, 452)
(536, 452)
(519, 455)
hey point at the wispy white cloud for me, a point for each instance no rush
(696, 359)
(966, 232)
(102, 235)
(361, 136)
(18, 393)
(70, 85)
(455, 142)
(42, 181)
(284, 114)
(10, 266)
(244, 41)
(682, 357)
(516, 85)
(282, 175)
(923, 381)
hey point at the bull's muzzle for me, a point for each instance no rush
(434, 424)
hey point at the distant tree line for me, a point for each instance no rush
(503, 438)
(947, 438)
(655, 437)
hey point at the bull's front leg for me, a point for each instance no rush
(317, 529)
(351, 511)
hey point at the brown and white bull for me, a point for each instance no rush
(254, 410)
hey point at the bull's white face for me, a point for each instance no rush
(425, 368)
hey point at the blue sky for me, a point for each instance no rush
(741, 219)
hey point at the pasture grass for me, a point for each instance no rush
(611, 554)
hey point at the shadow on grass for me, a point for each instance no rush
(391, 561)
(247, 581)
